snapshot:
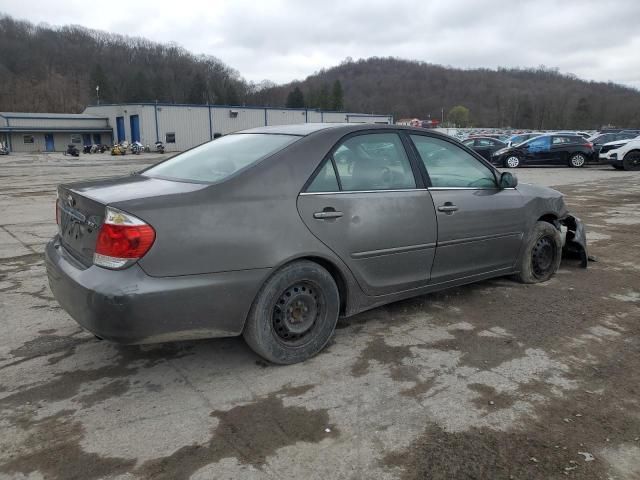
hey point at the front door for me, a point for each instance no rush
(48, 142)
(134, 123)
(364, 204)
(120, 129)
(480, 226)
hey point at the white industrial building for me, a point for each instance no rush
(181, 127)
(51, 132)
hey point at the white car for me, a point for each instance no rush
(607, 147)
(626, 156)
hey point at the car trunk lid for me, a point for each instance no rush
(82, 207)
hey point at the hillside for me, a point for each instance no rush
(56, 69)
(47, 69)
(532, 98)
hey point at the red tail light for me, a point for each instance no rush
(122, 240)
(589, 144)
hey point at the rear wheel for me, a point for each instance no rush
(631, 161)
(294, 314)
(541, 256)
(512, 161)
(577, 160)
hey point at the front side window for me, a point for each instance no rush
(450, 166)
(218, 159)
(375, 161)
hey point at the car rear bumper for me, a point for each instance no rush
(130, 307)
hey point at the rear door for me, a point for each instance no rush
(485, 147)
(480, 226)
(367, 205)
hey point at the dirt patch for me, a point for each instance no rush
(249, 433)
(115, 388)
(53, 449)
(49, 345)
(603, 412)
(66, 385)
(489, 399)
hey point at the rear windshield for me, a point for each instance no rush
(216, 160)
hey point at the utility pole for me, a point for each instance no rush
(98, 93)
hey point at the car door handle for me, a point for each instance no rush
(326, 214)
(448, 208)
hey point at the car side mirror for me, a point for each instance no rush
(508, 180)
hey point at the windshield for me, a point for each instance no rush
(216, 160)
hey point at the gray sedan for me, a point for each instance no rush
(275, 232)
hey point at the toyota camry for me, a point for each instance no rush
(274, 233)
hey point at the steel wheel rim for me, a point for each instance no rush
(513, 162)
(577, 160)
(296, 313)
(543, 256)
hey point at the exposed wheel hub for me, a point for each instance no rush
(295, 312)
(543, 256)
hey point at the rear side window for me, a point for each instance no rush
(325, 180)
(216, 160)
(450, 166)
(374, 161)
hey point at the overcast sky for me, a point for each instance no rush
(287, 40)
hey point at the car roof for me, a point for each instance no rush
(304, 129)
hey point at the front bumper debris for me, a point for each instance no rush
(576, 240)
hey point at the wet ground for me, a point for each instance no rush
(494, 380)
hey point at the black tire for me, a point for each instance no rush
(631, 161)
(294, 314)
(540, 258)
(512, 161)
(618, 167)
(577, 160)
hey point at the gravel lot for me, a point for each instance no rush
(494, 380)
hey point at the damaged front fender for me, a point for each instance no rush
(575, 244)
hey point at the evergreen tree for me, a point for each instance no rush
(324, 99)
(338, 96)
(295, 99)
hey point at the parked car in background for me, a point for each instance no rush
(522, 137)
(485, 146)
(600, 139)
(625, 157)
(263, 233)
(607, 147)
(571, 150)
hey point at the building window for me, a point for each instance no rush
(76, 138)
(233, 113)
(170, 138)
(26, 139)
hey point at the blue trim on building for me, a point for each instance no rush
(28, 117)
(55, 129)
(246, 107)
